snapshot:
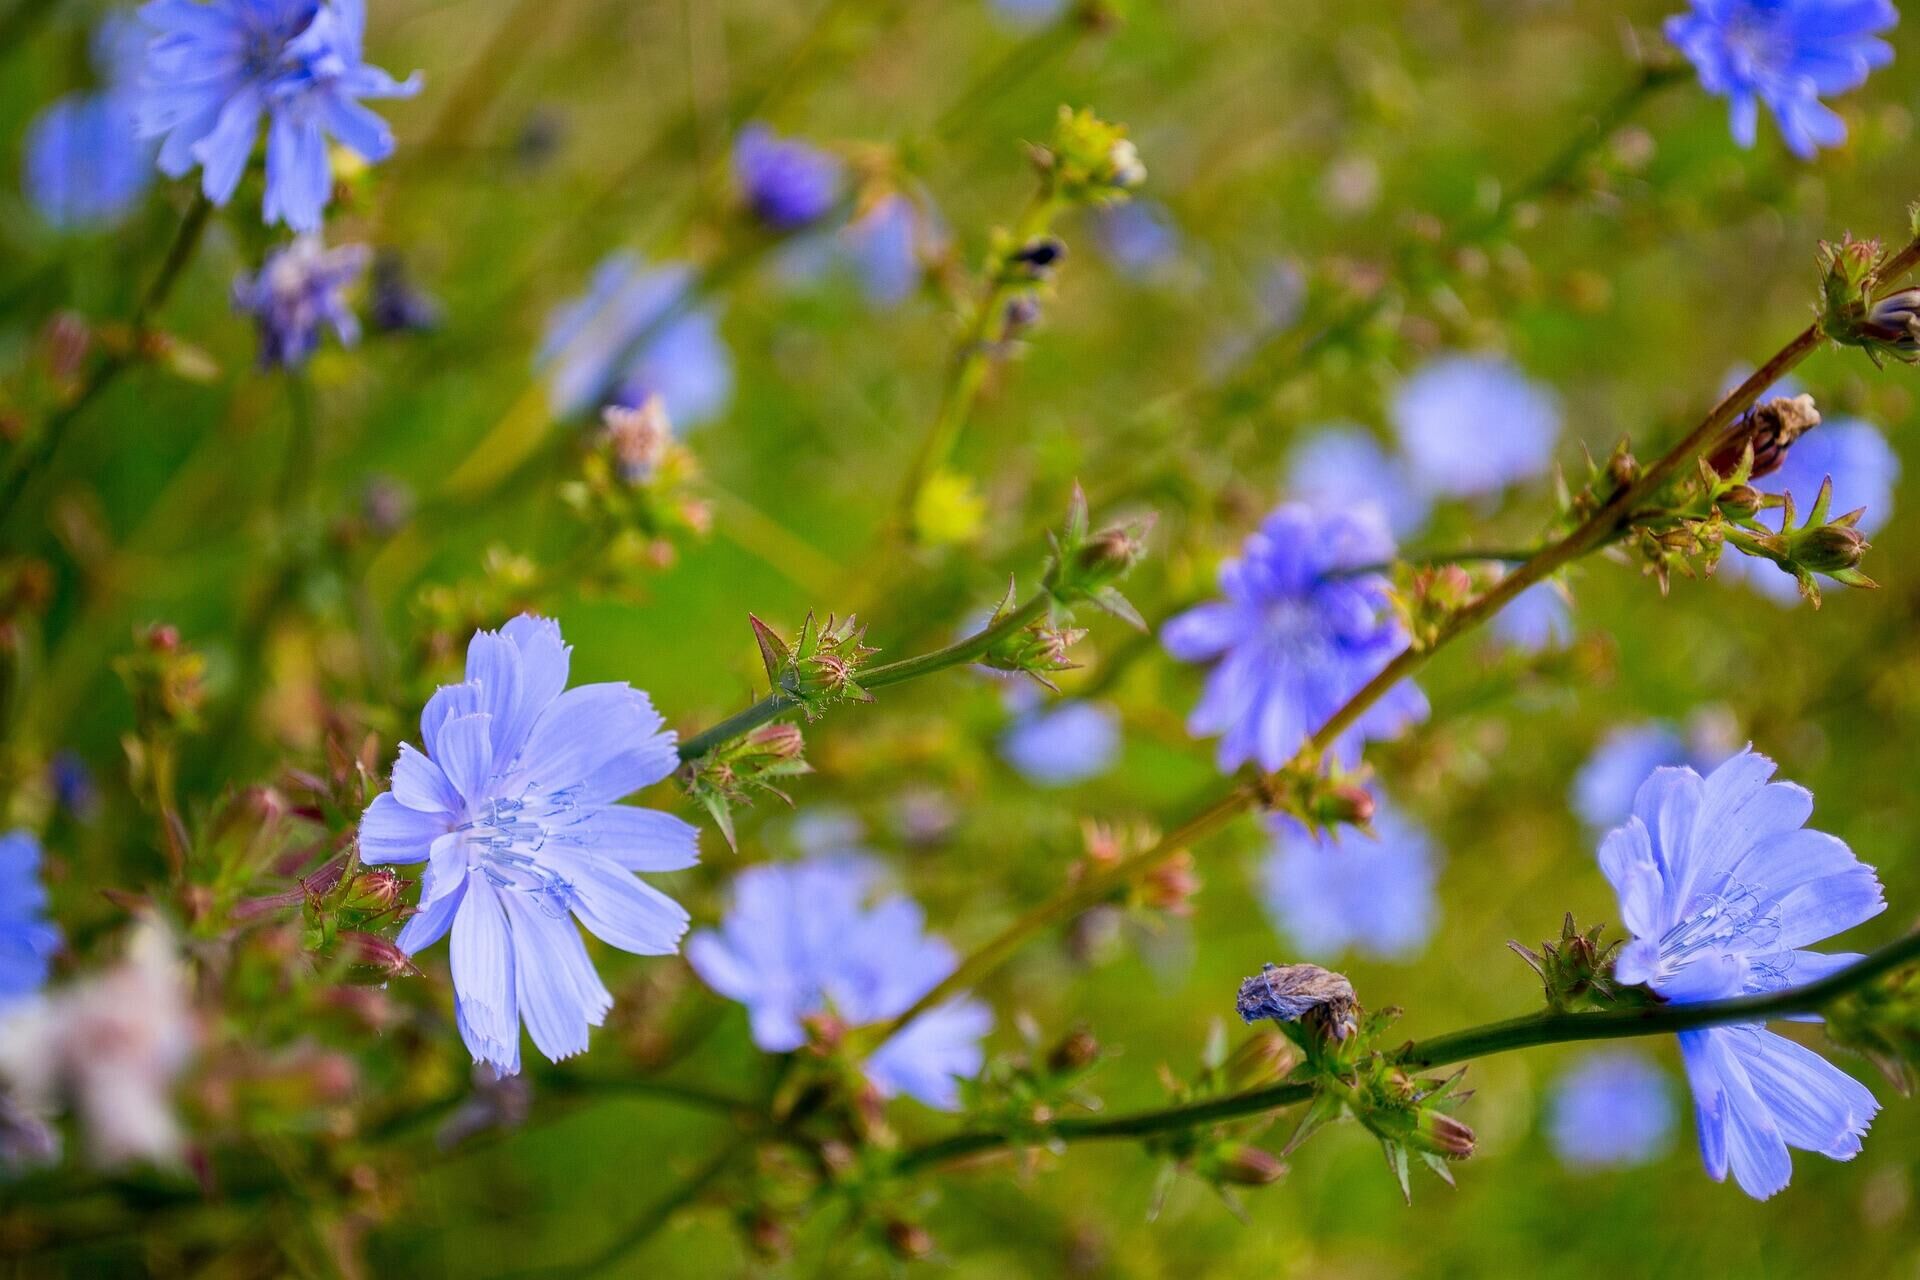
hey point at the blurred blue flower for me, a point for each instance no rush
(1538, 618)
(86, 164)
(1784, 54)
(1612, 1111)
(1348, 892)
(1061, 744)
(800, 940)
(1342, 465)
(215, 69)
(1721, 885)
(1604, 788)
(788, 184)
(512, 810)
(1140, 237)
(1295, 637)
(1865, 472)
(1027, 14)
(1472, 425)
(298, 289)
(74, 789)
(883, 246)
(637, 331)
(27, 938)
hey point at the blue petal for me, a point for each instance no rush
(1626, 859)
(932, 1053)
(591, 728)
(622, 911)
(420, 784)
(391, 832)
(466, 754)
(642, 839)
(483, 980)
(558, 993)
(1815, 1105)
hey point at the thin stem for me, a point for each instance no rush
(1596, 531)
(1425, 559)
(1474, 1042)
(775, 705)
(37, 454)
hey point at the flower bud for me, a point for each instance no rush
(1259, 1060)
(1770, 430)
(1895, 321)
(908, 1241)
(1246, 1165)
(1022, 314)
(1444, 1135)
(1303, 993)
(1076, 1051)
(1740, 502)
(1829, 548)
(777, 741)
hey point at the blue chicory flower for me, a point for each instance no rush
(1061, 744)
(1722, 887)
(1472, 425)
(1139, 237)
(215, 70)
(883, 247)
(298, 289)
(27, 938)
(1342, 465)
(1784, 54)
(1865, 472)
(1612, 1111)
(1537, 619)
(1296, 635)
(787, 183)
(86, 164)
(1604, 788)
(1345, 891)
(512, 810)
(801, 940)
(637, 332)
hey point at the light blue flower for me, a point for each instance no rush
(1784, 54)
(1026, 15)
(297, 290)
(215, 70)
(1865, 472)
(1721, 887)
(637, 331)
(27, 938)
(883, 246)
(1472, 425)
(1604, 788)
(1348, 892)
(801, 939)
(1538, 618)
(787, 183)
(1139, 237)
(1342, 465)
(1612, 1111)
(512, 810)
(1061, 744)
(86, 164)
(1296, 636)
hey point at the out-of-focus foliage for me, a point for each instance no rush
(319, 547)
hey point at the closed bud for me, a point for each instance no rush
(1829, 548)
(1740, 502)
(1246, 1165)
(1894, 321)
(1076, 1051)
(769, 1237)
(1259, 1060)
(1037, 258)
(1345, 803)
(1022, 314)
(777, 741)
(1769, 429)
(377, 890)
(825, 1031)
(377, 953)
(908, 1240)
(1112, 553)
(1444, 1135)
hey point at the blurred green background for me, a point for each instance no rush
(1319, 141)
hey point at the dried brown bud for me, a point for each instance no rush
(1077, 1049)
(1301, 993)
(1770, 429)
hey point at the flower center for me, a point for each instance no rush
(504, 840)
(1739, 919)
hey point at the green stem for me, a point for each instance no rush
(1598, 530)
(1474, 1042)
(775, 705)
(1423, 560)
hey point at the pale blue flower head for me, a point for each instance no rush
(787, 183)
(883, 245)
(1346, 892)
(86, 164)
(299, 289)
(1722, 888)
(27, 938)
(1785, 55)
(1297, 634)
(637, 331)
(1865, 472)
(512, 810)
(1612, 1111)
(216, 70)
(1342, 465)
(1139, 237)
(1537, 619)
(810, 937)
(1060, 744)
(1604, 788)
(1470, 426)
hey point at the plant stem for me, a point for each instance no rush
(1425, 559)
(1495, 1037)
(775, 705)
(1595, 531)
(37, 454)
